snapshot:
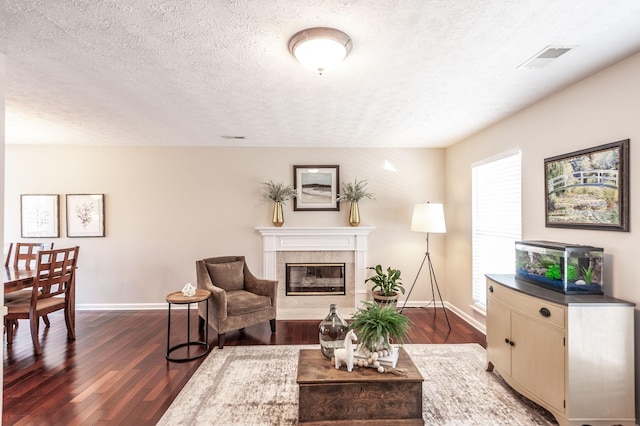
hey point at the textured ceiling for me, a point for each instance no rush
(422, 73)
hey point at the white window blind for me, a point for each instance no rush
(496, 219)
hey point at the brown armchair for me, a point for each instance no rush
(238, 299)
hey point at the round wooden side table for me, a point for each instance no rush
(177, 298)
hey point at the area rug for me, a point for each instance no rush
(256, 385)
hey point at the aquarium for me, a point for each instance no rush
(567, 268)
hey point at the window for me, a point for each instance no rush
(496, 219)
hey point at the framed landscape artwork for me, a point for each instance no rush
(39, 216)
(589, 189)
(85, 215)
(316, 188)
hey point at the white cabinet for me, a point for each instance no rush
(574, 355)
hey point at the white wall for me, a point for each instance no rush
(167, 207)
(600, 109)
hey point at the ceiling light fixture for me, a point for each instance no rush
(320, 49)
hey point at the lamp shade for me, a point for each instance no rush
(428, 217)
(320, 49)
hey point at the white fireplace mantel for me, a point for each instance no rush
(337, 238)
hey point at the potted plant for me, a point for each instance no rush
(279, 193)
(354, 192)
(386, 284)
(376, 326)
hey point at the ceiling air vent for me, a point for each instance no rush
(545, 56)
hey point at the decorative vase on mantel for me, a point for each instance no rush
(278, 215)
(354, 214)
(333, 329)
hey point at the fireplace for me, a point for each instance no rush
(315, 279)
(309, 245)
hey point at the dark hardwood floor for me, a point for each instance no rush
(115, 372)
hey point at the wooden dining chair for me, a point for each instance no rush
(26, 256)
(52, 290)
(8, 258)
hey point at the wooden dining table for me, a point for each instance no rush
(17, 279)
(21, 278)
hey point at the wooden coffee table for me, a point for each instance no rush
(335, 396)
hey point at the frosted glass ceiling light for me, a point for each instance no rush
(320, 49)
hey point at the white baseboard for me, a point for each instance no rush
(429, 304)
(125, 307)
(283, 314)
(475, 324)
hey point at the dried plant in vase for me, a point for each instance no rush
(279, 193)
(354, 192)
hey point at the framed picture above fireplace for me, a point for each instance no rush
(316, 188)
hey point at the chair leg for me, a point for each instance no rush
(45, 319)
(9, 326)
(272, 323)
(200, 323)
(71, 332)
(220, 340)
(33, 323)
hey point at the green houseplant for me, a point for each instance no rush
(377, 325)
(386, 284)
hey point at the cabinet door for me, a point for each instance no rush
(537, 358)
(498, 329)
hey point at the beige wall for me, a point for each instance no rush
(168, 206)
(600, 109)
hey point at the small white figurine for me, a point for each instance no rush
(188, 290)
(346, 354)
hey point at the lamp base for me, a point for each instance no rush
(432, 278)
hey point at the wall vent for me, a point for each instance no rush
(545, 56)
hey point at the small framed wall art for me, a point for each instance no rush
(85, 215)
(39, 216)
(589, 189)
(316, 188)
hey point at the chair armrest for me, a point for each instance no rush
(261, 287)
(218, 295)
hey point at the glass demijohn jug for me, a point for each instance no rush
(333, 330)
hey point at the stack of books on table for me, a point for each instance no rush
(386, 361)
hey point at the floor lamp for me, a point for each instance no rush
(429, 218)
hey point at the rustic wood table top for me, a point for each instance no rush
(313, 367)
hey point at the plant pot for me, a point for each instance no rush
(385, 300)
(354, 214)
(278, 215)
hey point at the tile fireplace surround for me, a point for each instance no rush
(316, 244)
